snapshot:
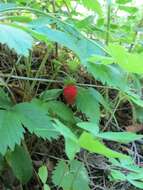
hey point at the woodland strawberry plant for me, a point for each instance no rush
(100, 56)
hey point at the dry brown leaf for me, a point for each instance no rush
(135, 128)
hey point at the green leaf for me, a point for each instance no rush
(61, 110)
(71, 141)
(88, 104)
(128, 9)
(5, 101)
(59, 172)
(43, 173)
(127, 164)
(34, 117)
(134, 98)
(66, 35)
(6, 6)
(90, 127)
(73, 176)
(129, 62)
(122, 137)
(101, 59)
(100, 99)
(123, 1)
(108, 74)
(46, 187)
(118, 175)
(11, 130)
(52, 94)
(93, 5)
(88, 142)
(21, 163)
(17, 18)
(18, 40)
(136, 176)
(138, 184)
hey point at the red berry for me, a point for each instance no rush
(70, 93)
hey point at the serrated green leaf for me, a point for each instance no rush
(11, 130)
(21, 164)
(108, 74)
(88, 104)
(73, 176)
(131, 62)
(36, 120)
(90, 127)
(71, 141)
(66, 35)
(18, 40)
(88, 142)
(122, 137)
(43, 173)
(93, 5)
(61, 110)
(58, 174)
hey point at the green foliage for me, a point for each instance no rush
(33, 117)
(123, 1)
(11, 130)
(19, 40)
(52, 94)
(71, 141)
(36, 120)
(90, 127)
(21, 163)
(6, 6)
(93, 5)
(66, 35)
(88, 142)
(59, 109)
(122, 137)
(71, 176)
(129, 62)
(43, 174)
(114, 64)
(108, 74)
(88, 104)
(127, 171)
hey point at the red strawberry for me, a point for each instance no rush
(70, 93)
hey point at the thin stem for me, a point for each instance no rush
(40, 69)
(52, 81)
(113, 113)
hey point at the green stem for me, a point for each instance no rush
(119, 99)
(42, 65)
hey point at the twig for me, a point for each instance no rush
(52, 81)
